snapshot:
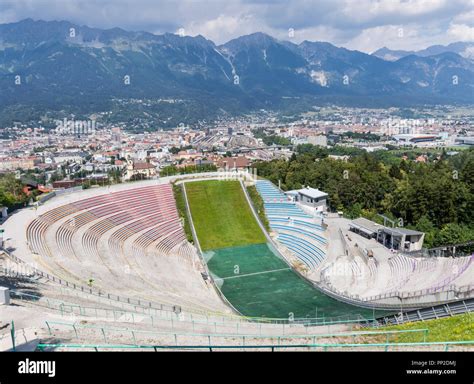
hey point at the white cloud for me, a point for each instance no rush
(465, 17)
(409, 37)
(393, 36)
(367, 10)
(223, 28)
(461, 32)
(357, 24)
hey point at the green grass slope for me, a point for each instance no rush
(221, 215)
(456, 328)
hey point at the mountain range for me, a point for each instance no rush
(60, 66)
(464, 49)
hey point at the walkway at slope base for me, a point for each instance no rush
(259, 283)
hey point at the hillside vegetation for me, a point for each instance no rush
(456, 328)
(436, 197)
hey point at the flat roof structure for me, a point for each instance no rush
(366, 226)
(414, 138)
(467, 140)
(401, 231)
(391, 237)
(312, 193)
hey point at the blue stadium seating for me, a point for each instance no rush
(305, 244)
(317, 227)
(304, 232)
(281, 213)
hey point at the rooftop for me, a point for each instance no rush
(366, 225)
(402, 231)
(371, 227)
(142, 165)
(312, 193)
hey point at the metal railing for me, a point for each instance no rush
(454, 290)
(69, 310)
(89, 290)
(427, 313)
(113, 333)
(445, 345)
(450, 250)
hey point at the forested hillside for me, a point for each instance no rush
(436, 197)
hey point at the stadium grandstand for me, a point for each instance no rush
(112, 268)
(298, 231)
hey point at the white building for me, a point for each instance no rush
(318, 140)
(311, 197)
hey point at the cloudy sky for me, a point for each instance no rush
(365, 25)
